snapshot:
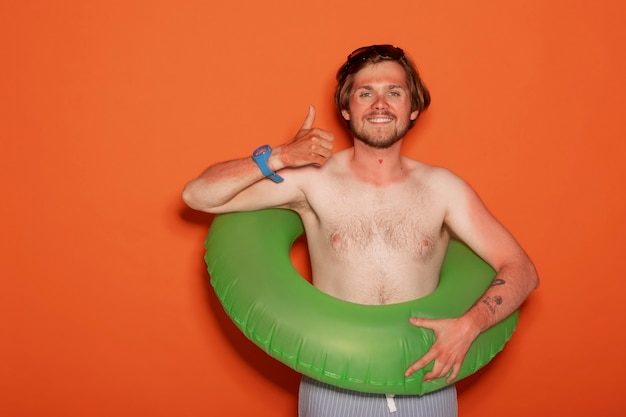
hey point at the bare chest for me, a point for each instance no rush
(398, 222)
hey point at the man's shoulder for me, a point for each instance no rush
(312, 178)
(427, 171)
(335, 166)
(436, 177)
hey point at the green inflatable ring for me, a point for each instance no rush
(359, 347)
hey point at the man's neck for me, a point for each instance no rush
(377, 166)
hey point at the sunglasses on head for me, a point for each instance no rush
(360, 55)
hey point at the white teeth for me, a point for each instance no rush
(380, 120)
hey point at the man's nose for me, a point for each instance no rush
(380, 102)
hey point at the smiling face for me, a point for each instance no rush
(379, 111)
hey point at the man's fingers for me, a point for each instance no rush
(440, 369)
(425, 323)
(422, 362)
(310, 118)
(455, 372)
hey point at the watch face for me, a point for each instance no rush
(261, 150)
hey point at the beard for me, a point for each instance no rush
(379, 138)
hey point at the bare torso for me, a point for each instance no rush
(373, 244)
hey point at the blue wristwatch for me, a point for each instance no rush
(260, 156)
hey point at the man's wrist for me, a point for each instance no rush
(275, 161)
(261, 156)
(473, 321)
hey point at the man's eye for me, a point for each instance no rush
(394, 93)
(366, 94)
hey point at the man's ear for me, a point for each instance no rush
(415, 114)
(346, 114)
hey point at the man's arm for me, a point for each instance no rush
(239, 185)
(516, 277)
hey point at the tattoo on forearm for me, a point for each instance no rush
(492, 302)
(498, 281)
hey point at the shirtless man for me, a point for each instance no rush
(377, 223)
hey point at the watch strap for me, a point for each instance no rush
(261, 161)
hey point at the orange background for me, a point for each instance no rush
(109, 107)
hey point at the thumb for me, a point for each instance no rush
(421, 322)
(310, 118)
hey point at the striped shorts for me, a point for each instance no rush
(317, 399)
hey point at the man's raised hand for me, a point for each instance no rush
(310, 146)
